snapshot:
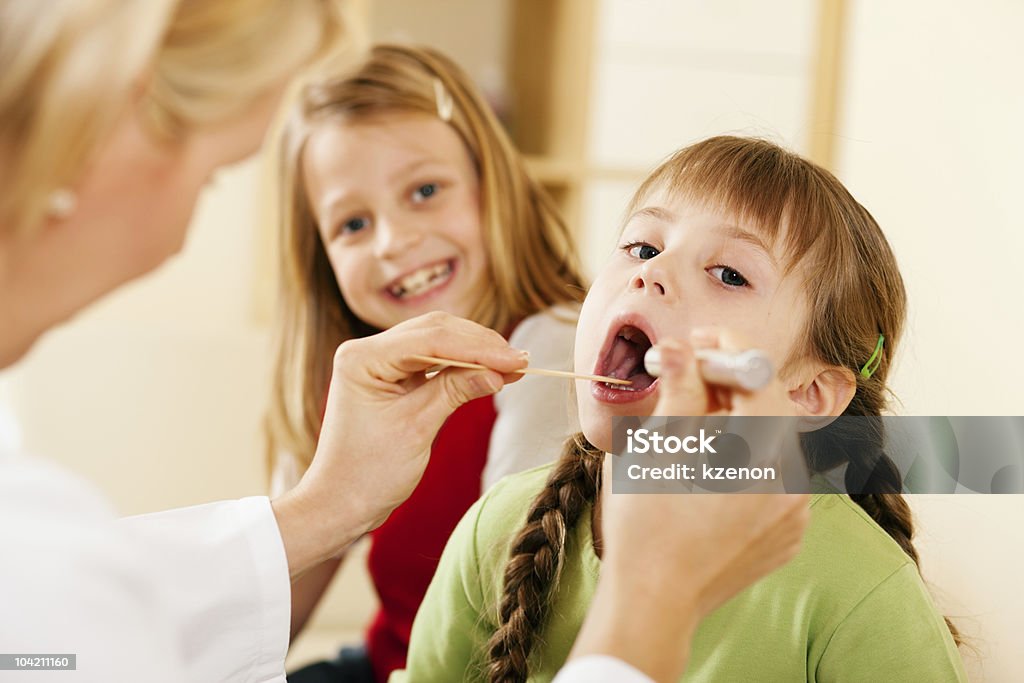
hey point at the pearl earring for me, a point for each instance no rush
(61, 203)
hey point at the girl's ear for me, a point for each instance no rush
(827, 393)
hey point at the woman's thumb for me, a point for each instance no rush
(681, 391)
(454, 387)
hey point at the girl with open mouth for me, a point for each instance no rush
(731, 242)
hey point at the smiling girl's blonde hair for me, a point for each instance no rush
(855, 292)
(532, 258)
(69, 67)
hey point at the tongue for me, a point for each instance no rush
(640, 381)
(624, 360)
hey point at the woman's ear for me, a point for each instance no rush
(827, 393)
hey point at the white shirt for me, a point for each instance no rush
(536, 415)
(600, 669)
(199, 594)
(196, 595)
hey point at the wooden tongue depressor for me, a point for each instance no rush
(444, 362)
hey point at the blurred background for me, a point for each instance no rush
(156, 394)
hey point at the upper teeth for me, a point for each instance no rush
(632, 334)
(421, 280)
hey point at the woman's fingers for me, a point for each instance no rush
(681, 390)
(772, 433)
(776, 525)
(386, 357)
(714, 544)
(772, 399)
(439, 397)
(443, 336)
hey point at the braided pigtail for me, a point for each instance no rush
(873, 479)
(536, 559)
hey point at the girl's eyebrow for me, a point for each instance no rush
(656, 212)
(336, 200)
(414, 166)
(660, 213)
(334, 203)
(737, 233)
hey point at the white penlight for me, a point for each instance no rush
(750, 370)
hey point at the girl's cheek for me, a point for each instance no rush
(351, 274)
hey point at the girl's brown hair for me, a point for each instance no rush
(855, 294)
(532, 258)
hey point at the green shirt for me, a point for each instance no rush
(850, 607)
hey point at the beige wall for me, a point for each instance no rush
(156, 394)
(668, 73)
(930, 143)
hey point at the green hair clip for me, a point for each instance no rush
(875, 360)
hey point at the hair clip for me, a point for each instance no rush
(445, 105)
(875, 360)
(61, 203)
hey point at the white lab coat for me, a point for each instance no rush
(196, 595)
(200, 594)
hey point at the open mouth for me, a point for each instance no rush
(421, 281)
(623, 358)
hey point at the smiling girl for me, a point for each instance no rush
(729, 240)
(403, 195)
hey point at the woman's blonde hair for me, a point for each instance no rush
(68, 67)
(532, 258)
(855, 291)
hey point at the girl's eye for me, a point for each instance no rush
(729, 276)
(425, 191)
(353, 225)
(644, 252)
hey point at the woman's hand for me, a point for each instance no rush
(382, 416)
(669, 559)
(683, 391)
(696, 550)
(767, 418)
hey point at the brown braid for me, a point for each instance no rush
(872, 478)
(537, 555)
(891, 512)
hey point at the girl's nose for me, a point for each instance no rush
(395, 237)
(652, 280)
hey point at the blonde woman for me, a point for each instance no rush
(114, 114)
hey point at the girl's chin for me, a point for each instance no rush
(598, 432)
(596, 419)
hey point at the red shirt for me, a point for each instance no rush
(405, 550)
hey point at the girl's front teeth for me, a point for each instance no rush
(422, 280)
